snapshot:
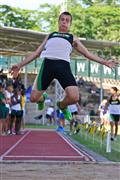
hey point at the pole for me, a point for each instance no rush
(108, 145)
(101, 88)
(25, 77)
(101, 81)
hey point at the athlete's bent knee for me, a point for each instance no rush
(74, 98)
(33, 99)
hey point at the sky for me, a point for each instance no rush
(28, 4)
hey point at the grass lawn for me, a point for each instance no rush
(95, 146)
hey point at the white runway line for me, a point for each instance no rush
(70, 145)
(44, 157)
(11, 148)
(82, 153)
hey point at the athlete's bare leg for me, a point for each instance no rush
(116, 128)
(36, 96)
(111, 124)
(72, 96)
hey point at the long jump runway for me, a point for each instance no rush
(41, 145)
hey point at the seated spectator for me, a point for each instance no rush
(80, 82)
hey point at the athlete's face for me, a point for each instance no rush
(64, 23)
(113, 91)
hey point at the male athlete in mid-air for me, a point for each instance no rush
(56, 50)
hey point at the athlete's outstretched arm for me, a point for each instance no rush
(16, 68)
(83, 50)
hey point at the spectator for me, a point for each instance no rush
(80, 82)
(16, 111)
(49, 114)
(113, 104)
(23, 102)
(8, 94)
(75, 110)
(3, 111)
(103, 112)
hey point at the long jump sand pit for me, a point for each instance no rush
(60, 171)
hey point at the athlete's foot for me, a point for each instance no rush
(65, 111)
(41, 104)
(77, 131)
(112, 138)
(60, 129)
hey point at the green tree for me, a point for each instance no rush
(48, 17)
(107, 2)
(92, 22)
(15, 17)
(105, 21)
(103, 2)
(88, 2)
(100, 22)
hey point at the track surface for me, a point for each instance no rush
(40, 145)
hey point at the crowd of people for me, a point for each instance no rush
(12, 104)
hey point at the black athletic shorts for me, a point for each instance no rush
(115, 117)
(54, 69)
(16, 113)
(74, 113)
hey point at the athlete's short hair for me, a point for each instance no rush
(65, 13)
(115, 89)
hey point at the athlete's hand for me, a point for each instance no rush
(15, 70)
(111, 63)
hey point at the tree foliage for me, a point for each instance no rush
(92, 19)
(19, 18)
(97, 21)
(105, 22)
(103, 2)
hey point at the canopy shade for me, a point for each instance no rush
(14, 41)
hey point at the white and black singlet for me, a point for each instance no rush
(114, 108)
(56, 63)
